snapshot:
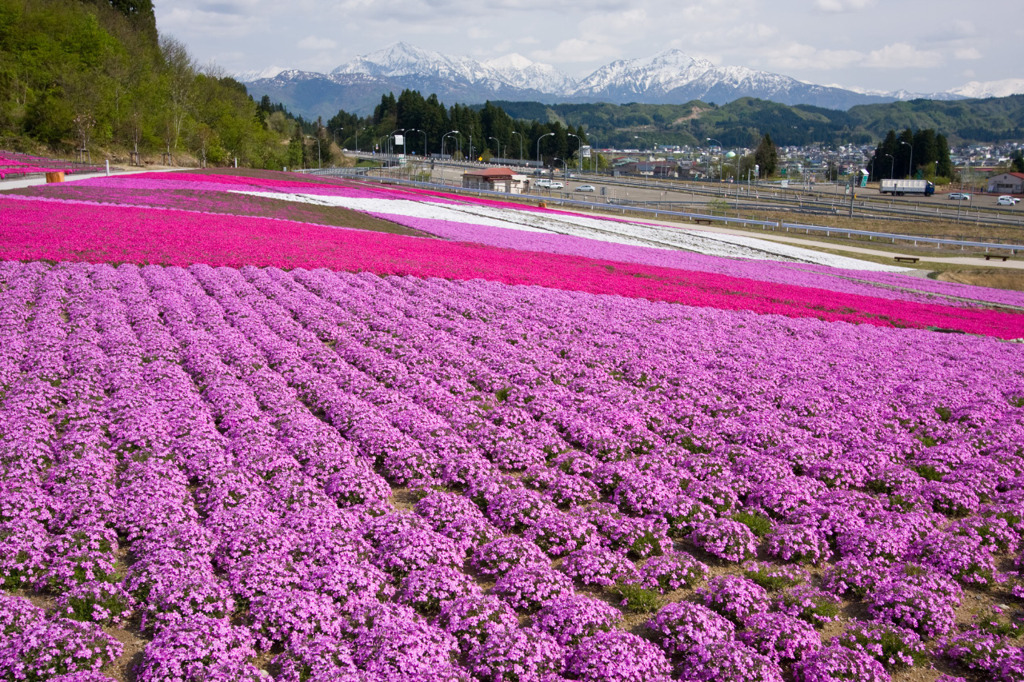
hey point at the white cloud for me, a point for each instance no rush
(902, 56)
(800, 56)
(314, 43)
(966, 53)
(839, 6)
(577, 50)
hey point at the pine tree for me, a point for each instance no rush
(766, 156)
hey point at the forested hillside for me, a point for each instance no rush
(95, 76)
(745, 121)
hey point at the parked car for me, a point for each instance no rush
(959, 196)
(1006, 200)
(586, 188)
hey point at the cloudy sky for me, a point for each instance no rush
(864, 44)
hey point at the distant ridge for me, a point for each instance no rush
(669, 77)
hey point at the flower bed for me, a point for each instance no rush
(40, 229)
(315, 474)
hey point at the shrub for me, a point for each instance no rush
(779, 636)
(98, 602)
(617, 656)
(527, 588)
(684, 626)
(516, 655)
(724, 538)
(427, 589)
(572, 618)
(355, 485)
(683, 513)
(916, 599)
(978, 650)
(734, 597)
(599, 566)
(638, 538)
(961, 557)
(730, 661)
(839, 664)
(558, 533)
(37, 648)
(894, 647)
(409, 550)
(396, 642)
(500, 556)
(854, 577)
(673, 571)
(774, 577)
(797, 542)
(471, 620)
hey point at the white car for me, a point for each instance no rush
(959, 196)
(586, 188)
(1006, 200)
(543, 183)
(554, 184)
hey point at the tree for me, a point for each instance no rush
(766, 156)
(180, 73)
(1017, 162)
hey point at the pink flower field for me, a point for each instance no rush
(244, 447)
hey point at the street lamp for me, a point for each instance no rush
(514, 132)
(911, 156)
(392, 139)
(450, 132)
(892, 167)
(565, 167)
(720, 159)
(491, 137)
(538, 147)
(579, 152)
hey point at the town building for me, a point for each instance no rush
(498, 179)
(1006, 183)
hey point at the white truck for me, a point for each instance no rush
(901, 187)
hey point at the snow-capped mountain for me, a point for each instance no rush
(661, 73)
(250, 76)
(402, 60)
(668, 77)
(1003, 88)
(518, 71)
(674, 77)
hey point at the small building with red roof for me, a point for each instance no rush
(498, 179)
(1006, 183)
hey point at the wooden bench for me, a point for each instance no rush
(702, 221)
(905, 259)
(990, 256)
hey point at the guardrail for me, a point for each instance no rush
(1013, 248)
(336, 172)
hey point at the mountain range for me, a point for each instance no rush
(669, 77)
